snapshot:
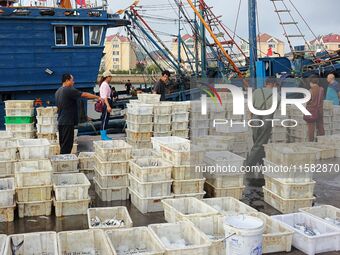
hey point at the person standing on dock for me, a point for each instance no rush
(333, 90)
(160, 87)
(105, 95)
(128, 86)
(67, 97)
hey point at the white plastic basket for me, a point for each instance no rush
(49, 128)
(19, 111)
(71, 207)
(162, 128)
(215, 142)
(138, 136)
(33, 149)
(33, 193)
(139, 144)
(6, 135)
(24, 135)
(162, 119)
(200, 123)
(149, 98)
(235, 192)
(179, 107)
(3, 239)
(7, 192)
(20, 127)
(180, 125)
(224, 159)
(8, 150)
(111, 181)
(144, 153)
(112, 150)
(165, 134)
(7, 168)
(157, 141)
(33, 173)
(188, 186)
(7, 213)
(111, 167)
(136, 127)
(119, 213)
(182, 154)
(141, 119)
(111, 194)
(48, 136)
(227, 181)
(150, 189)
(229, 206)
(181, 133)
(327, 213)
(70, 186)
(19, 103)
(162, 108)
(64, 163)
(185, 173)
(47, 120)
(186, 208)
(139, 109)
(38, 208)
(180, 117)
(49, 111)
(151, 169)
(86, 160)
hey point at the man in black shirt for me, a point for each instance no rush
(160, 87)
(66, 99)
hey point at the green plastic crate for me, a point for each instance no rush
(19, 119)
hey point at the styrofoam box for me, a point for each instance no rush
(7, 168)
(185, 208)
(47, 120)
(144, 241)
(162, 119)
(111, 181)
(188, 186)
(224, 159)
(180, 125)
(194, 195)
(8, 150)
(34, 194)
(19, 111)
(136, 127)
(49, 111)
(229, 206)
(39, 208)
(140, 109)
(235, 192)
(33, 173)
(107, 213)
(157, 141)
(149, 98)
(86, 160)
(181, 133)
(64, 163)
(138, 136)
(290, 190)
(20, 127)
(111, 194)
(46, 128)
(215, 142)
(151, 169)
(212, 227)
(7, 192)
(146, 204)
(326, 213)
(70, 186)
(33, 149)
(6, 135)
(144, 153)
(139, 144)
(161, 128)
(150, 189)
(117, 150)
(286, 205)
(182, 154)
(185, 173)
(162, 108)
(71, 207)
(169, 233)
(19, 103)
(179, 117)
(327, 241)
(228, 181)
(91, 241)
(7, 213)
(111, 167)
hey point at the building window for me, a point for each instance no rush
(272, 45)
(95, 35)
(60, 35)
(115, 53)
(78, 35)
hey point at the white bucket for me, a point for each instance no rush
(247, 238)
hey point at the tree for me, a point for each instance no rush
(140, 67)
(153, 69)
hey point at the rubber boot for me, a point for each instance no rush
(104, 135)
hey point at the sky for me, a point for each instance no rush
(321, 15)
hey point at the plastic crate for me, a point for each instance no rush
(180, 117)
(111, 194)
(213, 229)
(111, 181)
(157, 141)
(141, 119)
(32, 243)
(323, 151)
(8, 150)
(47, 121)
(198, 132)
(34, 194)
(289, 190)
(33, 149)
(119, 213)
(70, 186)
(91, 241)
(111, 167)
(181, 133)
(327, 213)
(180, 209)
(139, 144)
(138, 136)
(150, 189)
(215, 142)
(327, 241)
(200, 124)
(180, 125)
(194, 195)
(144, 242)
(212, 191)
(162, 128)
(217, 115)
(3, 239)
(19, 112)
(144, 153)
(20, 127)
(146, 204)
(229, 206)
(182, 154)
(7, 192)
(185, 173)
(162, 108)
(224, 159)
(33, 173)
(6, 135)
(136, 127)
(198, 116)
(64, 163)
(188, 186)
(149, 98)
(46, 128)
(86, 160)
(164, 134)
(140, 109)
(19, 119)
(168, 234)
(39, 208)
(112, 150)
(7, 168)
(24, 135)
(286, 205)
(19, 103)
(7, 213)
(162, 119)
(151, 169)
(49, 111)
(48, 136)
(228, 181)
(180, 107)
(71, 207)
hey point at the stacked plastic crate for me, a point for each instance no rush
(162, 119)
(33, 178)
(86, 164)
(65, 163)
(111, 169)
(336, 120)
(299, 133)
(328, 117)
(180, 121)
(71, 194)
(20, 118)
(199, 123)
(279, 133)
(288, 179)
(47, 123)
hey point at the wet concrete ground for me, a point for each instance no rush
(327, 191)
